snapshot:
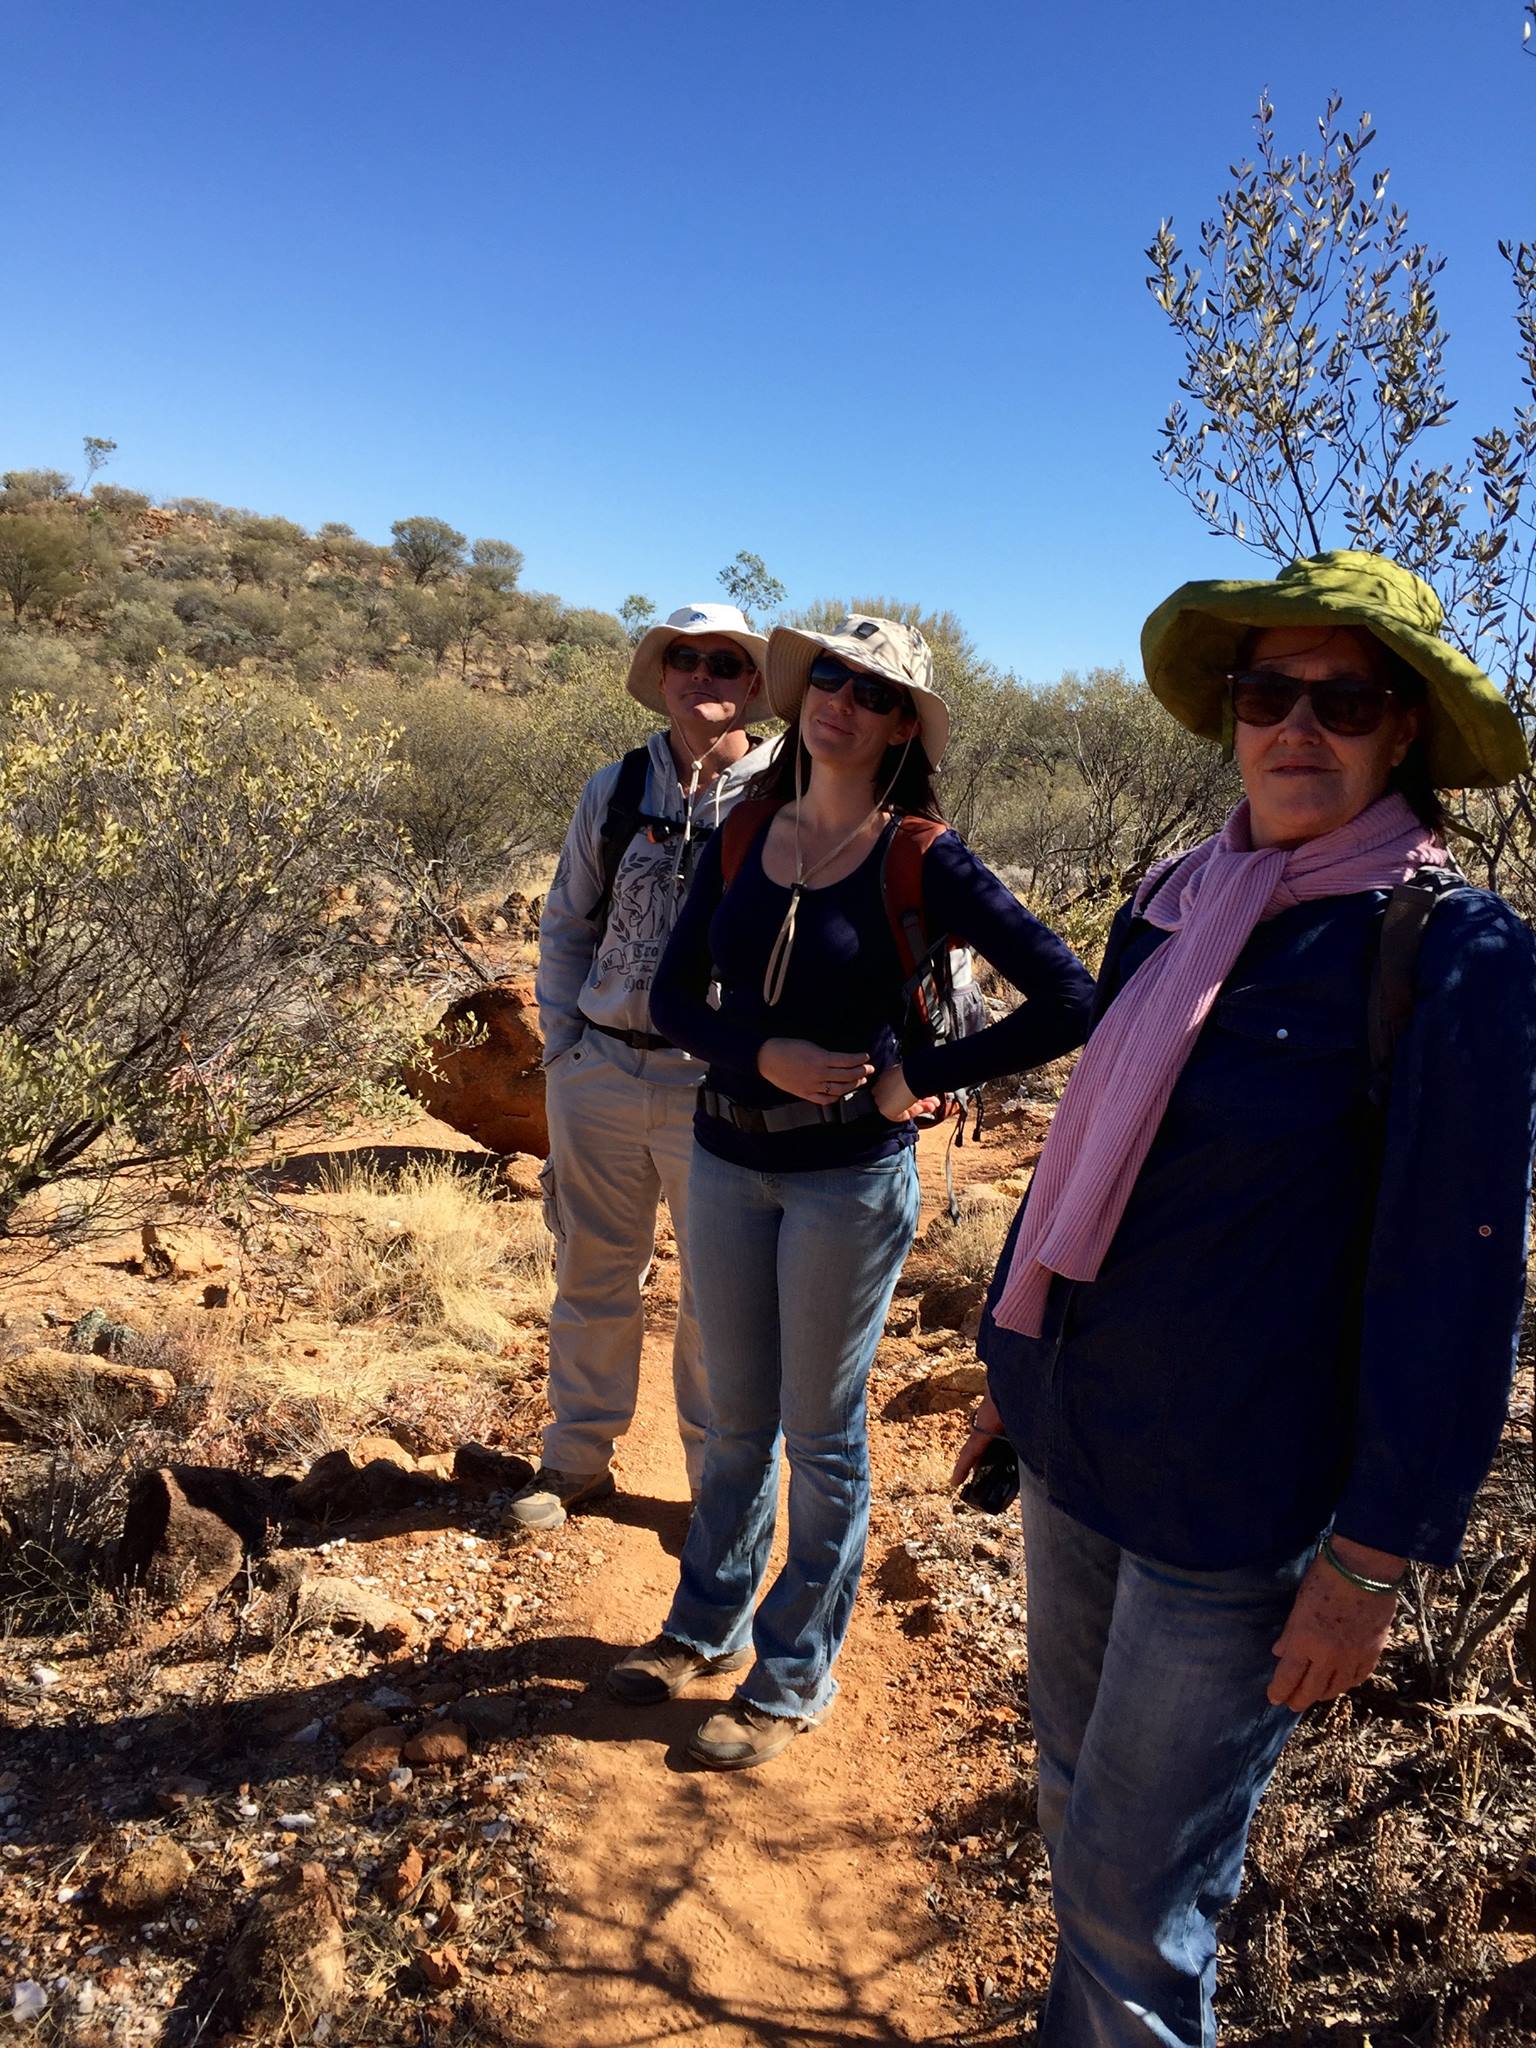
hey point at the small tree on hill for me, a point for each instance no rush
(429, 548)
(748, 585)
(98, 453)
(38, 564)
(495, 565)
(637, 612)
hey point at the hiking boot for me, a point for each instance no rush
(543, 1502)
(660, 1669)
(742, 1735)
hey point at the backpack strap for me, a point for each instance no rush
(901, 887)
(621, 821)
(1394, 971)
(739, 832)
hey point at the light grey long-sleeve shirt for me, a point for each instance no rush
(602, 975)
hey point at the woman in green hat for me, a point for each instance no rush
(1252, 1333)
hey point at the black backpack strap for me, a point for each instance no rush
(1395, 969)
(621, 821)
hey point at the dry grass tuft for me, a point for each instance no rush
(976, 1241)
(427, 1251)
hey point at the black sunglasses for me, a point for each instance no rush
(829, 674)
(721, 663)
(1350, 706)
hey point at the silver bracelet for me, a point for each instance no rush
(1358, 1578)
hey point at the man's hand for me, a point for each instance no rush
(986, 1423)
(810, 1071)
(895, 1100)
(1335, 1633)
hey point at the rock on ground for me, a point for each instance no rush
(956, 1386)
(288, 1962)
(188, 1528)
(43, 1388)
(334, 1489)
(147, 1878)
(491, 1090)
(175, 1251)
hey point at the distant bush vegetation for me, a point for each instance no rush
(494, 703)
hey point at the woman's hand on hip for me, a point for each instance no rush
(895, 1100)
(1335, 1632)
(810, 1071)
(986, 1423)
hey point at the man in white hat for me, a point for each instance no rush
(621, 1097)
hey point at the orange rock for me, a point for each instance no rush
(442, 1747)
(405, 1877)
(374, 1755)
(441, 1967)
(492, 1089)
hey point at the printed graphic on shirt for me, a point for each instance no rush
(645, 900)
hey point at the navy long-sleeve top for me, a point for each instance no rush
(1306, 1315)
(843, 992)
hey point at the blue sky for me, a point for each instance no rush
(857, 285)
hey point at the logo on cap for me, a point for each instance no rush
(866, 631)
(698, 618)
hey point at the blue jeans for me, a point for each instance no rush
(1147, 1694)
(793, 1274)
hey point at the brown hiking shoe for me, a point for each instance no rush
(660, 1669)
(543, 1502)
(742, 1735)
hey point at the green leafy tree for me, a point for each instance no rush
(429, 548)
(1314, 398)
(495, 565)
(750, 587)
(637, 612)
(38, 564)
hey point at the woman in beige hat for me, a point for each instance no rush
(803, 1197)
(1253, 1330)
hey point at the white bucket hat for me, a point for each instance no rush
(886, 647)
(644, 682)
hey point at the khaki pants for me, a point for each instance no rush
(617, 1143)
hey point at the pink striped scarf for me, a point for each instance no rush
(1120, 1087)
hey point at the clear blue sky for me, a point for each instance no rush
(637, 283)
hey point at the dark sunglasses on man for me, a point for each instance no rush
(1349, 706)
(724, 665)
(830, 674)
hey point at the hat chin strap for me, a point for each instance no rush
(777, 970)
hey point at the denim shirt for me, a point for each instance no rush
(1308, 1313)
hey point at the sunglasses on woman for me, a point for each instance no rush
(1350, 706)
(869, 693)
(721, 663)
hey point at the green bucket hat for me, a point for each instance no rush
(1190, 644)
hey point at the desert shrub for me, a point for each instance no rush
(455, 791)
(30, 663)
(430, 1252)
(34, 486)
(118, 502)
(562, 731)
(169, 982)
(138, 627)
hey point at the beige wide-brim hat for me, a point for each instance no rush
(1472, 739)
(886, 647)
(693, 620)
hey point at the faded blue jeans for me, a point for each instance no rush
(793, 1274)
(1147, 1694)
